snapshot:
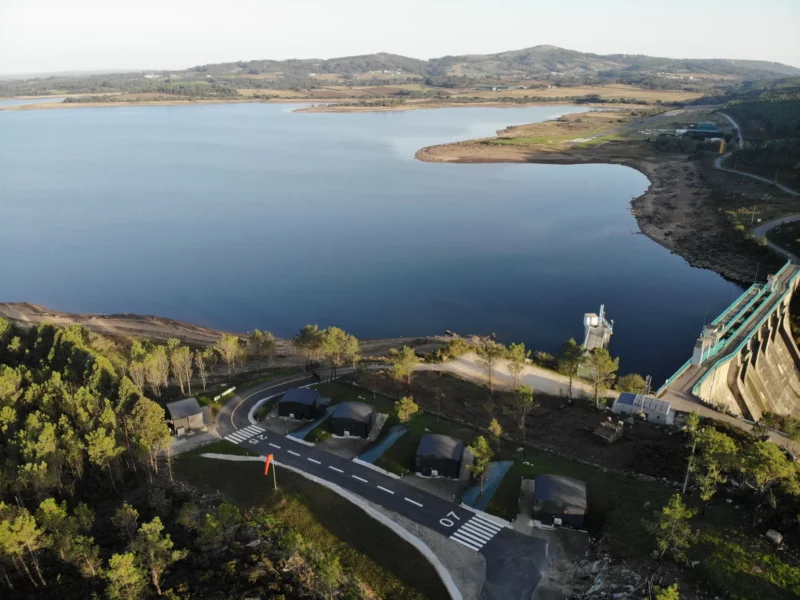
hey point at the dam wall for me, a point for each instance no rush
(762, 373)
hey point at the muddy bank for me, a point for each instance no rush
(675, 211)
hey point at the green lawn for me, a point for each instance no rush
(223, 447)
(324, 519)
(338, 393)
(400, 456)
(616, 502)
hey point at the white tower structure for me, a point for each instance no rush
(597, 330)
(706, 343)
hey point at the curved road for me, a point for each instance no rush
(514, 562)
(761, 230)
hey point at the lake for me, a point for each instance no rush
(245, 216)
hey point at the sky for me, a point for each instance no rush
(39, 36)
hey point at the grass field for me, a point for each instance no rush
(324, 519)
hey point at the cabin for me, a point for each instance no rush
(559, 501)
(352, 419)
(301, 404)
(439, 456)
(187, 415)
(654, 410)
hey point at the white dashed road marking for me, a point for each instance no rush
(414, 502)
(314, 461)
(360, 478)
(380, 487)
(335, 469)
(293, 452)
(275, 445)
(476, 533)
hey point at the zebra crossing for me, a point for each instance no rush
(242, 435)
(476, 533)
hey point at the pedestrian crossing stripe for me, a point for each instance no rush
(242, 435)
(476, 533)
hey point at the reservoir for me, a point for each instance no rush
(245, 216)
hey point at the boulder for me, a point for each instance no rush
(774, 537)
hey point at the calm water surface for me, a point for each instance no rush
(244, 216)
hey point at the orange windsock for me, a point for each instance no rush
(267, 463)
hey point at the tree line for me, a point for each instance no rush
(86, 507)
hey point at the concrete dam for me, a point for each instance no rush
(746, 362)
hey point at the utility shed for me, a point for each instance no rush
(299, 403)
(656, 411)
(186, 414)
(559, 500)
(439, 455)
(609, 432)
(352, 419)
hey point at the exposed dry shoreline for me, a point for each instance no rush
(674, 211)
(60, 105)
(160, 329)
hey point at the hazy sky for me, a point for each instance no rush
(61, 35)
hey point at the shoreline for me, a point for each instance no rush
(666, 212)
(132, 326)
(319, 105)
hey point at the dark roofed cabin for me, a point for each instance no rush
(352, 419)
(299, 403)
(559, 497)
(439, 455)
(186, 414)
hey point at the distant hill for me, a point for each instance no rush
(539, 63)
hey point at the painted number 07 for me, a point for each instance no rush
(447, 522)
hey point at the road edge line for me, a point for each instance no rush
(288, 436)
(497, 520)
(374, 468)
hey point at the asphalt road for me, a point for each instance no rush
(514, 561)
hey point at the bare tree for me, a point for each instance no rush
(157, 369)
(490, 354)
(181, 359)
(138, 373)
(202, 368)
(517, 358)
(229, 349)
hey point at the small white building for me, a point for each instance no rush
(656, 411)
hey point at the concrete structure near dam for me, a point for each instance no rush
(745, 362)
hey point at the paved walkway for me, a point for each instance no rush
(491, 481)
(374, 452)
